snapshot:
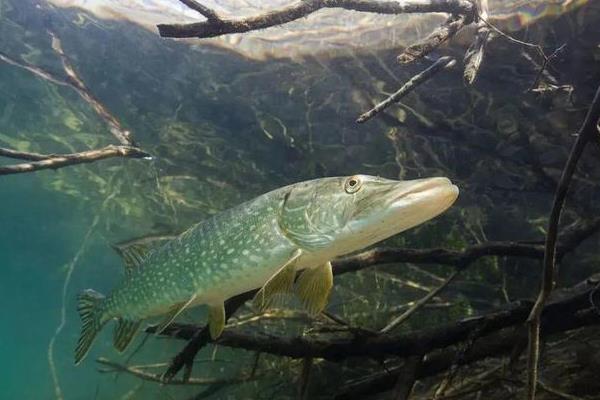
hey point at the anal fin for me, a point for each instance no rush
(124, 333)
(173, 312)
(281, 282)
(216, 320)
(313, 287)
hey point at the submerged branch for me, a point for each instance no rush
(39, 161)
(122, 135)
(587, 132)
(23, 155)
(202, 9)
(216, 26)
(458, 258)
(566, 313)
(500, 343)
(444, 32)
(76, 83)
(419, 304)
(111, 366)
(440, 64)
(55, 161)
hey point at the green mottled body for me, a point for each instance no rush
(262, 244)
(230, 253)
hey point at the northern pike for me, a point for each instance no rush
(263, 243)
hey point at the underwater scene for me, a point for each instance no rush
(300, 199)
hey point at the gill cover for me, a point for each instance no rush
(314, 211)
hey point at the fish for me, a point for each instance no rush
(280, 242)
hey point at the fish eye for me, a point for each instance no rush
(353, 184)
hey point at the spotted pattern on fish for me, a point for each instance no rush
(301, 226)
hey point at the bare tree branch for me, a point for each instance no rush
(73, 81)
(420, 303)
(218, 27)
(587, 132)
(440, 64)
(123, 136)
(55, 161)
(22, 155)
(39, 161)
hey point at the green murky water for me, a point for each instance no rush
(223, 128)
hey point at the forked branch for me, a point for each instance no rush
(38, 161)
(216, 26)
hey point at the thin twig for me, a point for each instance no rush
(111, 366)
(408, 313)
(440, 64)
(63, 310)
(73, 81)
(545, 59)
(544, 65)
(123, 136)
(358, 331)
(39, 72)
(587, 131)
(62, 160)
(202, 9)
(557, 392)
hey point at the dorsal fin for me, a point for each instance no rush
(134, 252)
(133, 256)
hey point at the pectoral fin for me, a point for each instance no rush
(216, 320)
(174, 311)
(313, 287)
(281, 282)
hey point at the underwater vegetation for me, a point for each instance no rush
(115, 141)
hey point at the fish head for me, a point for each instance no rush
(344, 214)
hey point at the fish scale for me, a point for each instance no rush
(199, 261)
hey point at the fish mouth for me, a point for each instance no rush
(439, 193)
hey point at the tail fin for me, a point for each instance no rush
(89, 306)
